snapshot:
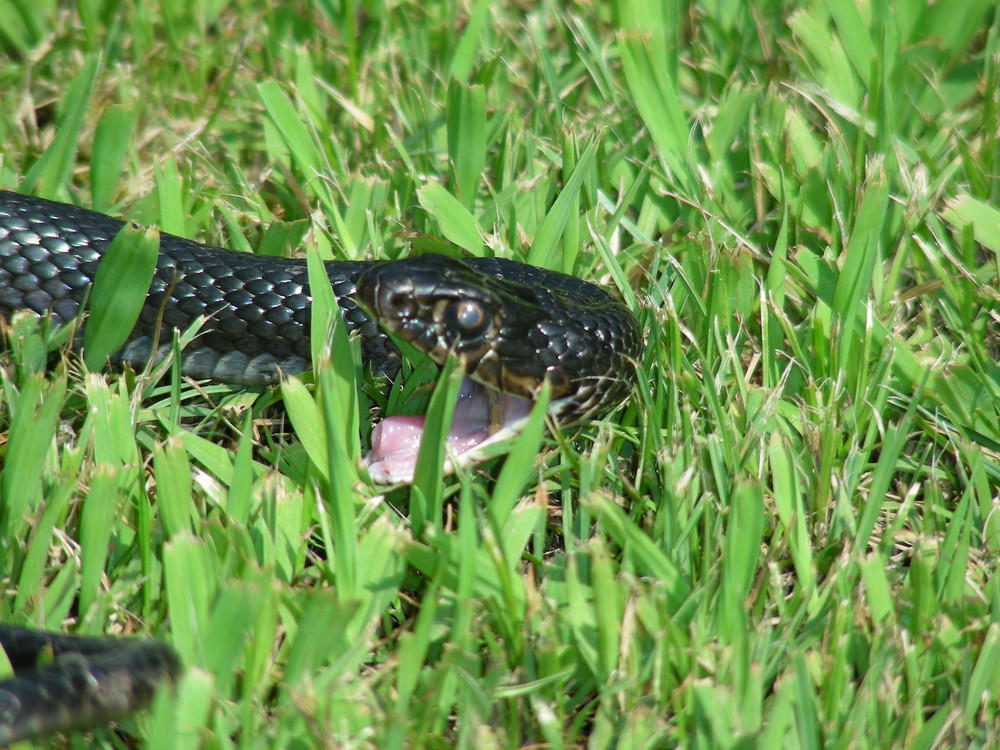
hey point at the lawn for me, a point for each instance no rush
(789, 538)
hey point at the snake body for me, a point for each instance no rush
(512, 327)
(89, 680)
(547, 324)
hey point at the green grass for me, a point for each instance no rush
(789, 538)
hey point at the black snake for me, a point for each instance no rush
(512, 326)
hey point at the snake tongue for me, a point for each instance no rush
(482, 417)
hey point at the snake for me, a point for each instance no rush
(86, 680)
(513, 328)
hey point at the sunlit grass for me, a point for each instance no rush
(789, 538)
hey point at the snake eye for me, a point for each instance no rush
(469, 318)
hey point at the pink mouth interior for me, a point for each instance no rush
(396, 440)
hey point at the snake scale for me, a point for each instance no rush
(510, 325)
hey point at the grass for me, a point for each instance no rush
(789, 538)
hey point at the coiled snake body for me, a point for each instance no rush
(511, 326)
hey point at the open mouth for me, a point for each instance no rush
(482, 417)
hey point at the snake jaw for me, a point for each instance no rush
(482, 417)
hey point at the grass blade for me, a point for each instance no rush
(455, 221)
(466, 118)
(119, 292)
(544, 248)
(52, 171)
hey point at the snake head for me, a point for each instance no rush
(512, 328)
(445, 308)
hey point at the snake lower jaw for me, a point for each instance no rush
(482, 418)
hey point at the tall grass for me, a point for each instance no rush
(789, 538)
